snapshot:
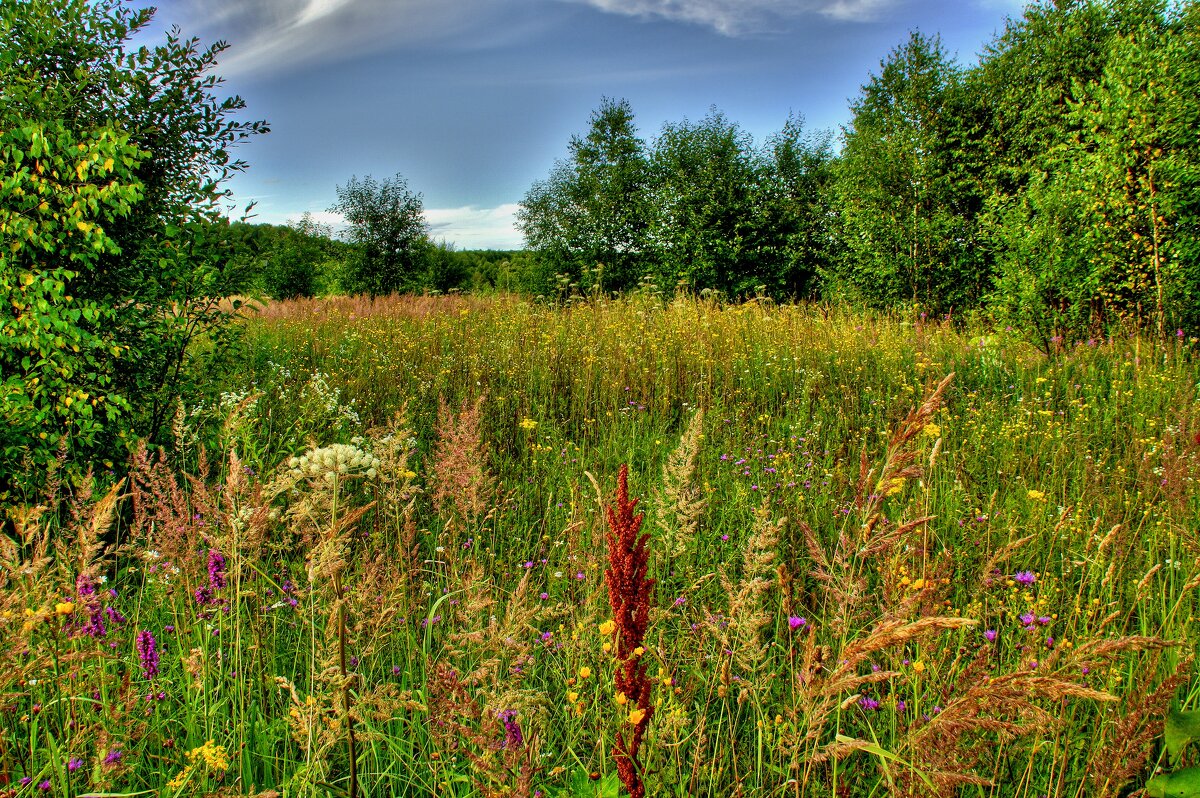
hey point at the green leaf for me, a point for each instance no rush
(1180, 784)
(1181, 728)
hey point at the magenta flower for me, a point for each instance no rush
(216, 569)
(990, 635)
(796, 622)
(147, 651)
(1025, 577)
(74, 764)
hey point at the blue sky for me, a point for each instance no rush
(473, 100)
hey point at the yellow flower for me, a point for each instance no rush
(607, 647)
(585, 673)
(637, 716)
(572, 696)
(919, 666)
(639, 651)
(64, 607)
(621, 699)
(607, 627)
(932, 430)
(528, 423)
(1037, 495)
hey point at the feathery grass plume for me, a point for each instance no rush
(1129, 740)
(460, 485)
(503, 753)
(679, 501)
(748, 615)
(629, 593)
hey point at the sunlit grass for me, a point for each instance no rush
(447, 604)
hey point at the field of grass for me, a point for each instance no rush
(376, 566)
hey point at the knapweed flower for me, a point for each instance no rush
(45, 786)
(113, 756)
(868, 703)
(990, 635)
(1026, 578)
(74, 764)
(796, 622)
(147, 651)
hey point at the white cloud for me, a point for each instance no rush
(274, 35)
(735, 17)
(471, 227)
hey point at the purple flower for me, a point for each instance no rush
(1028, 618)
(113, 756)
(26, 781)
(869, 704)
(204, 595)
(543, 596)
(396, 670)
(45, 786)
(796, 622)
(513, 738)
(1044, 619)
(990, 635)
(147, 651)
(216, 569)
(1025, 577)
(680, 601)
(74, 764)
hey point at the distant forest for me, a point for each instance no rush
(1053, 186)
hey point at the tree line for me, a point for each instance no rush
(1052, 185)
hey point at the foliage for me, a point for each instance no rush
(123, 233)
(906, 217)
(389, 233)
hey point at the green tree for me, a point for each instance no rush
(904, 213)
(389, 233)
(152, 283)
(707, 207)
(591, 210)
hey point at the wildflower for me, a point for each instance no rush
(74, 764)
(1036, 495)
(528, 424)
(607, 627)
(621, 699)
(869, 704)
(918, 666)
(1028, 619)
(543, 596)
(513, 738)
(147, 650)
(636, 716)
(26, 781)
(990, 634)
(64, 607)
(113, 757)
(639, 651)
(796, 622)
(216, 569)
(572, 696)
(1025, 577)
(45, 786)
(585, 673)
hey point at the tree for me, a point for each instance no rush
(704, 203)
(127, 149)
(388, 230)
(904, 221)
(591, 211)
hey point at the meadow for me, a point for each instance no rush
(889, 555)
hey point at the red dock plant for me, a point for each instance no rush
(629, 594)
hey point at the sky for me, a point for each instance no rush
(472, 101)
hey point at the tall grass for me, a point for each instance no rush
(376, 567)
